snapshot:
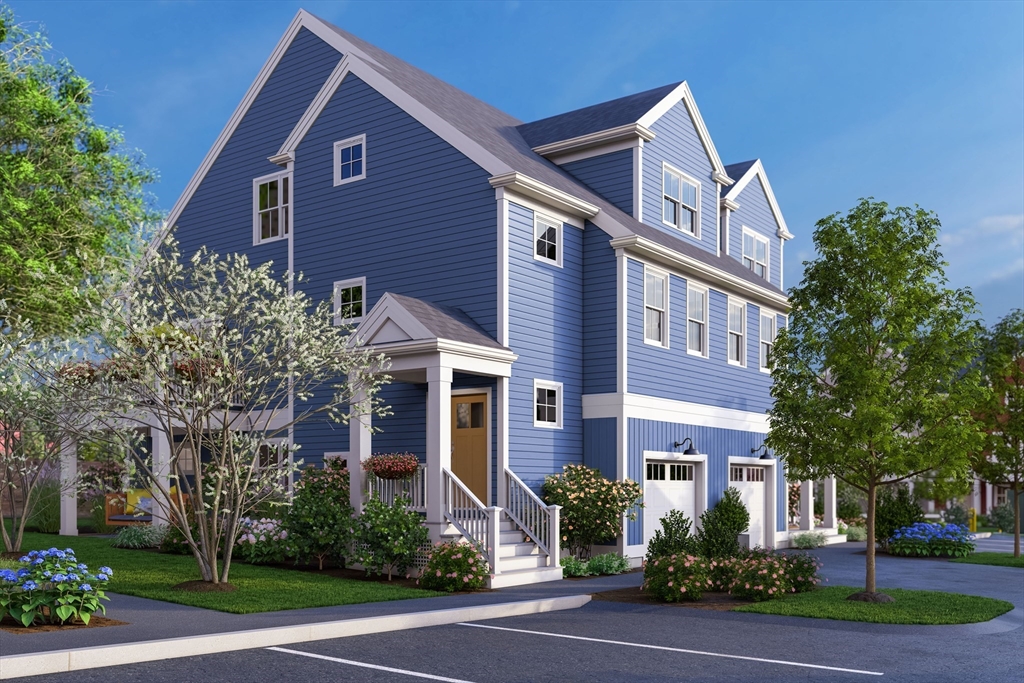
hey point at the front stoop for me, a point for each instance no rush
(520, 561)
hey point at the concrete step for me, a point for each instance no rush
(515, 562)
(520, 577)
(518, 549)
(509, 537)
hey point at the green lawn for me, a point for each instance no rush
(910, 607)
(997, 559)
(260, 589)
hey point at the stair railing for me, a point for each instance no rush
(470, 517)
(538, 520)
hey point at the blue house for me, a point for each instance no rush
(595, 287)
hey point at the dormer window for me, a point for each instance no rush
(755, 253)
(547, 235)
(271, 199)
(350, 160)
(680, 201)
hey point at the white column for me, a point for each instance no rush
(806, 505)
(360, 440)
(439, 444)
(501, 400)
(494, 538)
(68, 488)
(161, 468)
(829, 520)
(554, 536)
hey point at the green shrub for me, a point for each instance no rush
(608, 564)
(575, 567)
(388, 537)
(801, 571)
(45, 515)
(677, 577)
(1001, 517)
(454, 566)
(592, 506)
(139, 536)
(319, 522)
(808, 540)
(896, 508)
(721, 526)
(760, 578)
(856, 533)
(673, 538)
(955, 514)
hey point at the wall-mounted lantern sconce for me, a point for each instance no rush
(763, 447)
(689, 451)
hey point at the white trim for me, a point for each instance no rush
(669, 410)
(728, 204)
(559, 401)
(757, 169)
(536, 206)
(530, 187)
(284, 231)
(486, 392)
(758, 237)
(540, 219)
(347, 284)
(629, 132)
(621, 320)
(718, 221)
(664, 276)
(771, 488)
(638, 182)
(726, 212)
(766, 313)
(683, 176)
(744, 338)
(502, 269)
(705, 342)
(682, 92)
(316, 106)
(342, 144)
(591, 152)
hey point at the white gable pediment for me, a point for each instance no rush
(389, 322)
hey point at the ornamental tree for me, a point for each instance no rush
(1001, 460)
(70, 195)
(592, 506)
(873, 381)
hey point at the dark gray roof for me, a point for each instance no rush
(597, 117)
(445, 322)
(498, 133)
(736, 171)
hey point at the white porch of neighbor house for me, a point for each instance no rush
(427, 344)
(807, 522)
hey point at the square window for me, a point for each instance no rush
(547, 404)
(680, 201)
(271, 207)
(349, 301)
(655, 307)
(547, 240)
(350, 160)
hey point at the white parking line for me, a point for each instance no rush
(364, 665)
(678, 649)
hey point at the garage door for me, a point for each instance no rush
(750, 483)
(667, 486)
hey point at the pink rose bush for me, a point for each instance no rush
(675, 578)
(455, 566)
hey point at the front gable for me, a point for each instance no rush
(755, 214)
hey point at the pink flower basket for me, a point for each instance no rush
(392, 465)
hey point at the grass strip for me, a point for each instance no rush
(259, 589)
(910, 607)
(996, 559)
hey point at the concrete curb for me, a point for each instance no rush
(61, 661)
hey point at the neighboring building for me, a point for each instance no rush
(595, 287)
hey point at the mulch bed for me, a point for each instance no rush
(11, 626)
(718, 602)
(636, 570)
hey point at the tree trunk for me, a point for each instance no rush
(869, 580)
(1016, 523)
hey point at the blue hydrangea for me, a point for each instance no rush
(85, 587)
(102, 577)
(38, 561)
(107, 570)
(24, 558)
(60, 578)
(23, 572)
(73, 576)
(8, 576)
(30, 585)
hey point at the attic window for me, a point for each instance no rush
(350, 160)
(755, 253)
(680, 201)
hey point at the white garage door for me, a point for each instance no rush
(667, 486)
(750, 483)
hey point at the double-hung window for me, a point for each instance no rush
(680, 201)
(655, 307)
(547, 237)
(737, 336)
(547, 404)
(271, 200)
(350, 160)
(349, 301)
(767, 339)
(755, 253)
(697, 320)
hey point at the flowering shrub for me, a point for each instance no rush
(592, 506)
(52, 587)
(760, 578)
(319, 521)
(677, 577)
(801, 571)
(925, 540)
(262, 541)
(139, 536)
(392, 465)
(454, 566)
(388, 537)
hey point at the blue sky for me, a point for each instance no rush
(911, 103)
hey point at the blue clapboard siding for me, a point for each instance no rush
(545, 329)
(610, 175)
(220, 212)
(600, 298)
(676, 143)
(405, 430)
(718, 444)
(673, 373)
(756, 214)
(600, 446)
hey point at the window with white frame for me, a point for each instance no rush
(737, 327)
(273, 455)
(735, 473)
(697, 320)
(350, 160)
(680, 201)
(655, 307)
(768, 330)
(755, 253)
(547, 404)
(349, 301)
(547, 237)
(271, 200)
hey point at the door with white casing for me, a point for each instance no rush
(750, 483)
(667, 486)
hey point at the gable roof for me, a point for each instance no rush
(445, 322)
(747, 171)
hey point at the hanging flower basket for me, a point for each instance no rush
(392, 465)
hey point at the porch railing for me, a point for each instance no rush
(538, 520)
(474, 520)
(389, 490)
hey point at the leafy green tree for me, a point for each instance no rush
(70, 197)
(1001, 461)
(873, 380)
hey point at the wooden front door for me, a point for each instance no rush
(469, 442)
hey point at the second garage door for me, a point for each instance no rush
(667, 486)
(750, 483)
